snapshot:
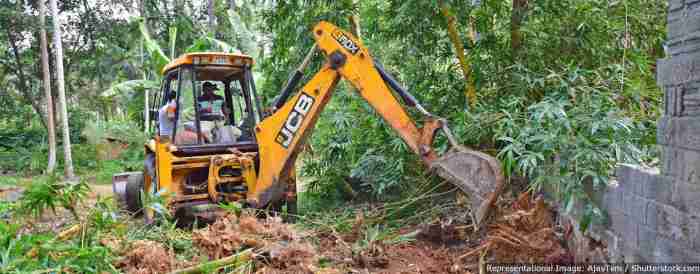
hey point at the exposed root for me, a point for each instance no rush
(147, 257)
(279, 246)
(525, 235)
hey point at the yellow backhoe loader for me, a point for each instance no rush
(214, 143)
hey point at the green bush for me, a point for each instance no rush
(570, 140)
(23, 149)
(49, 192)
(39, 252)
(121, 131)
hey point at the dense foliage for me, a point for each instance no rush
(573, 97)
(565, 91)
(576, 97)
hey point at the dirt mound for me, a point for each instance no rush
(442, 233)
(147, 257)
(427, 253)
(293, 257)
(525, 233)
(279, 246)
(419, 258)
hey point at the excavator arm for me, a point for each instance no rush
(281, 135)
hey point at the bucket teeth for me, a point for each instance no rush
(477, 174)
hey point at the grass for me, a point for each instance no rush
(101, 222)
(45, 251)
(427, 201)
(15, 180)
(106, 170)
(104, 229)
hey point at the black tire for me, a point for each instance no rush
(134, 186)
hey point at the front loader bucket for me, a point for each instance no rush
(475, 173)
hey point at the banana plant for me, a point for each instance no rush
(158, 57)
(243, 35)
(130, 86)
(130, 92)
(211, 44)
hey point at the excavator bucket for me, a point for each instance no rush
(477, 174)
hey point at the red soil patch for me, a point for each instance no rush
(427, 254)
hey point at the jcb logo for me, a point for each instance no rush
(294, 120)
(346, 42)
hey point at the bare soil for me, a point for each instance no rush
(524, 230)
(100, 190)
(419, 256)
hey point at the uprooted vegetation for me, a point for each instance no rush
(563, 95)
(148, 257)
(277, 245)
(525, 232)
(361, 238)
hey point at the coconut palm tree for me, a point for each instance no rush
(50, 124)
(67, 156)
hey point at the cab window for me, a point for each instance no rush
(213, 105)
(186, 130)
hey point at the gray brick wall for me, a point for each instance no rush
(653, 215)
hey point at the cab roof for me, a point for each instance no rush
(210, 58)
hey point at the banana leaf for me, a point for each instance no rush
(131, 86)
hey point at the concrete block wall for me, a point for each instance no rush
(654, 214)
(650, 218)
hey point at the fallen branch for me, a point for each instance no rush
(68, 233)
(63, 236)
(475, 251)
(233, 260)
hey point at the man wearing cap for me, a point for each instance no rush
(212, 105)
(210, 102)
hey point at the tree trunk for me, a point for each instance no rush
(355, 21)
(146, 113)
(469, 87)
(51, 125)
(68, 158)
(212, 17)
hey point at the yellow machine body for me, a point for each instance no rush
(266, 169)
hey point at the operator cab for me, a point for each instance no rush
(214, 100)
